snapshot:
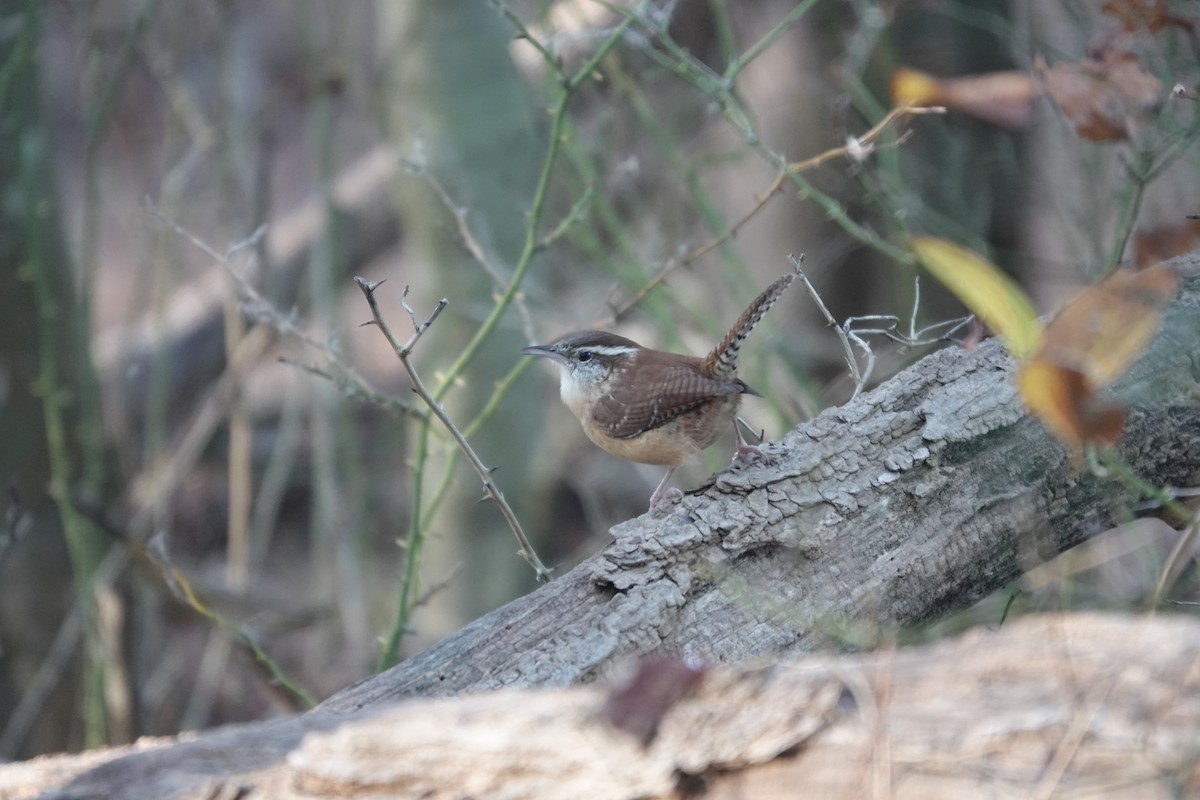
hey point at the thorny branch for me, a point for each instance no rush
(403, 351)
(856, 148)
(475, 250)
(260, 308)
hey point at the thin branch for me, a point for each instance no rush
(357, 391)
(572, 216)
(1106, 462)
(403, 351)
(758, 48)
(254, 304)
(475, 250)
(181, 588)
(532, 244)
(1177, 561)
(525, 34)
(856, 148)
(860, 376)
(852, 335)
(418, 328)
(499, 391)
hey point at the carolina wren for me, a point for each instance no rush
(655, 407)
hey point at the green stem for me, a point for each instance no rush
(1119, 469)
(485, 413)
(757, 49)
(42, 261)
(682, 63)
(417, 521)
(1179, 143)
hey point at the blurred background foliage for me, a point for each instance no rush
(221, 500)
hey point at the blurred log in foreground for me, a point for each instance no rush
(1077, 705)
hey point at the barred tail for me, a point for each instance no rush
(721, 363)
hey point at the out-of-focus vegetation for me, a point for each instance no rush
(222, 500)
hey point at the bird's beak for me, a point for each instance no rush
(546, 350)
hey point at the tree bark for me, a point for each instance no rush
(910, 502)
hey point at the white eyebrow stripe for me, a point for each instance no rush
(609, 349)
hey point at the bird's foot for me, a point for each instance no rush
(663, 496)
(749, 453)
(746, 453)
(663, 499)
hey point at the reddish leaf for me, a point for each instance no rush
(1065, 402)
(1105, 98)
(1089, 344)
(1168, 241)
(1105, 328)
(1138, 14)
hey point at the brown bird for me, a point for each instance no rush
(651, 406)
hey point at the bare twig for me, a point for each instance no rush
(403, 351)
(851, 333)
(855, 149)
(439, 587)
(471, 243)
(358, 391)
(525, 34)
(181, 588)
(260, 308)
(846, 337)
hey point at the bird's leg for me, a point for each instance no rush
(662, 491)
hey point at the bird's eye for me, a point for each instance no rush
(585, 355)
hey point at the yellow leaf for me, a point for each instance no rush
(912, 87)
(985, 290)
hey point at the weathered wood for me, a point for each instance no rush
(1081, 705)
(912, 501)
(1086, 706)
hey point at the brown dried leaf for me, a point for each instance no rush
(1065, 401)
(1105, 98)
(1090, 343)
(1136, 15)
(1167, 241)
(1105, 328)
